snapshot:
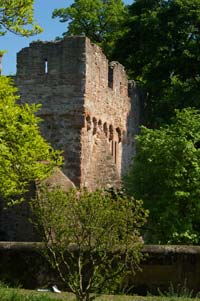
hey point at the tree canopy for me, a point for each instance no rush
(24, 154)
(100, 20)
(17, 16)
(161, 52)
(161, 41)
(166, 174)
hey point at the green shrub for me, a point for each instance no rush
(91, 238)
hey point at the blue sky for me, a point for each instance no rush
(52, 28)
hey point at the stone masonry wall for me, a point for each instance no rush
(179, 266)
(53, 75)
(110, 123)
(86, 107)
(90, 112)
(15, 221)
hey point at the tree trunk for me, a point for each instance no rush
(84, 297)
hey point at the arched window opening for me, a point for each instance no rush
(105, 129)
(100, 124)
(111, 132)
(88, 122)
(94, 120)
(119, 133)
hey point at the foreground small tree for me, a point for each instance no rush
(23, 151)
(166, 174)
(91, 239)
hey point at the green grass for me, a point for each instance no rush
(8, 294)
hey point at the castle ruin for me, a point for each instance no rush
(90, 110)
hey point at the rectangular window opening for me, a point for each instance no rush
(110, 77)
(112, 148)
(115, 152)
(46, 66)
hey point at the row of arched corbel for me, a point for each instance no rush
(95, 125)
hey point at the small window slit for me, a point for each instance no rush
(46, 66)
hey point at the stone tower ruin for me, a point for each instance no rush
(90, 110)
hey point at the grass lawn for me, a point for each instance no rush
(8, 294)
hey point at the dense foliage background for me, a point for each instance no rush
(166, 174)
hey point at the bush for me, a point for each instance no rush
(91, 238)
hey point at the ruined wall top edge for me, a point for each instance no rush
(57, 58)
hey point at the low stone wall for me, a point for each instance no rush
(165, 265)
(22, 263)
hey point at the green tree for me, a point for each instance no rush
(24, 154)
(166, 174)
(17, 17)
(91, 239)
(161, 52)
(100, 20)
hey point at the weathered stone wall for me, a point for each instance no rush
(86, 107)
(15, 224)
(165, 266)
(23, 263)
(108, 110)
(53, 75)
